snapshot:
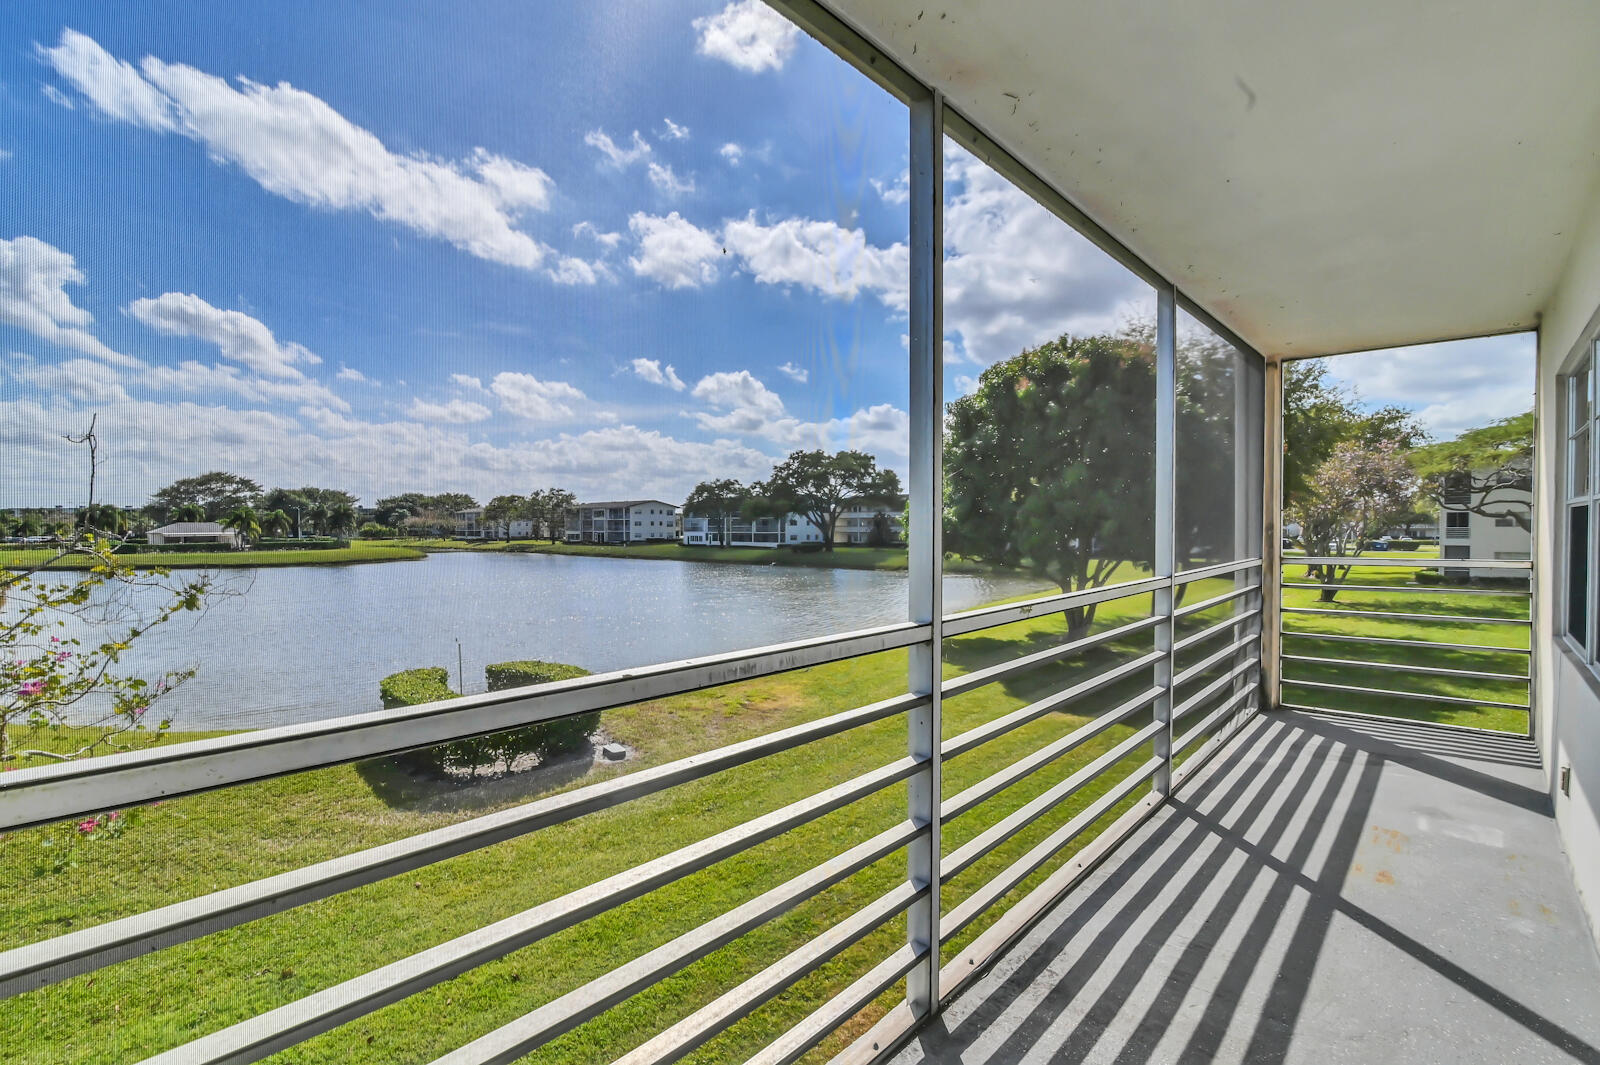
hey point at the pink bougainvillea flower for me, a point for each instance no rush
(32, 687)
(86, 827)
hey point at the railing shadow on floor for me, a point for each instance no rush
(1317, 775)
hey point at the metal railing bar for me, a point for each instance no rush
(1220, 628)
(1002, 670)
(1188, 706)
(958, 860)
(981, 734)
(792, 1045)
(1412, 563)
(995, 783)
(1401, 729)
(296, 1021)
(1429, 697)
(1460, 619)
(722, 1012)
(975, 904)
(1392, 641)
(38, 964)
(1185, 676)
(1406, 667)
(1216, 600)
(512, 1041)
(1412, 589)
(1218, 741)
(40, 795)
(1006, 613)
(1220, 569)
(1211, 720)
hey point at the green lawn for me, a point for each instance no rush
(191, 846)
(27, 558)
(884, 558)
(203, 843)
(1351, 601)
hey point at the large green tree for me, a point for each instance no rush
(502, 509)
(548, 507)
(718, 501)
(818, 486)
(1487, 471)
(1320, 413)
(214, 493)
(1049, 464)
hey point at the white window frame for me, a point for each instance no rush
(1584, 436)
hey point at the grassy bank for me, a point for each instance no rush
(1350, 607)
(187, 847)
(27, 558)
(192, 846)
(843, 557)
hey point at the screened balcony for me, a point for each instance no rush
(1168, 814)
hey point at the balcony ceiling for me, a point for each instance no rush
(1321, 177)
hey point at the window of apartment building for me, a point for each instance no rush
(1457, 524)
(1579, 434)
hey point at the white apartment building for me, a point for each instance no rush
(622, 521)
(854, 527)
(1464, 534)
(470, 525)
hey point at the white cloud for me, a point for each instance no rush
(454, 412)
(467, 381)
(895, 192)
(350, 373)
(821, 256)
(618, 157)
(673, 252)
(198, 378)
(732, 153)
(573, 271)
(746, 407)
(605, 240)
(748, 35)
(1453, 386)
(652, 370)
(294, 145)
(739, 390)
(663, 178)
(1015, 275)
(237, 336)
(675, 132)
(57, 97)
(526, 396)
(965, 384)
(33, 280)
(795, 373)
(81, 379)
(112, 85)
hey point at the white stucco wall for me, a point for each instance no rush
(1568, 696)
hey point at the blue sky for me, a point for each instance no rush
(617, 247)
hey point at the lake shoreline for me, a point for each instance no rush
(340, 556)
(852, 557)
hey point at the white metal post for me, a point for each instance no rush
(1271, 693)
(926, 535)
(1165, 561)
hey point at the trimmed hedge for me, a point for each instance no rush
(544, 740)
(548, 738)
(309, 543)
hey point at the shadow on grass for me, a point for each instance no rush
(420, 792)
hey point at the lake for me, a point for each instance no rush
(302, 643)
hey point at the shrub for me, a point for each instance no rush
(548, 738)
(373, 531)
(545, 740)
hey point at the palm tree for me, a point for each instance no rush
(103, 518)
(317, 518)
(243, 521)
(338, 518)
(27, 525)
(189, 512)
(277, 522)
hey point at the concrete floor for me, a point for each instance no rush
(1330, 890)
